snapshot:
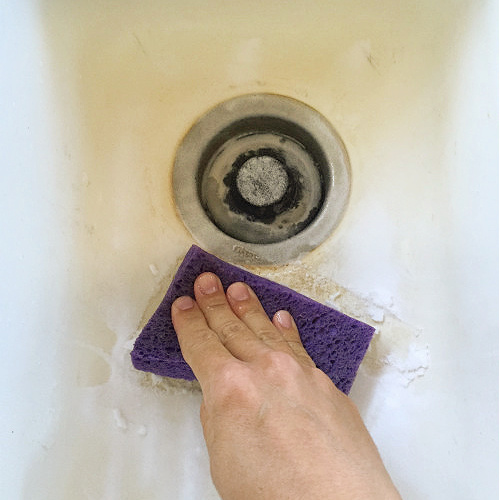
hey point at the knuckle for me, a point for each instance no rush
(270, 335)
(301, 353)
(248, 309)
(215, 305)
(203, 337)
(252, 310)
(199, 341)
(233, 387)
(280, 365)
(263, 328)
(230, 329)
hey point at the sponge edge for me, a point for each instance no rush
(335, 342)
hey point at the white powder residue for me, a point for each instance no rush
(377, 314)
(128, 345)
(414, 366)
(396, 346)
(120, 420)
(142, 430)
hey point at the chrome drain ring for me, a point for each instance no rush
(261, 179)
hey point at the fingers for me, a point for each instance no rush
(248, 308)
(285, 323)
(217, 327)
(200, 346)
(234, 334)
(282, 334)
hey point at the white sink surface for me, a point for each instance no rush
(96, 96)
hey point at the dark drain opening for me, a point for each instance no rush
(263, 180)
(261, 186)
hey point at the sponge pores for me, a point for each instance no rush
(336, 343)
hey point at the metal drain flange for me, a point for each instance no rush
(261, 179)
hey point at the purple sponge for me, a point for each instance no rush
(335, 342)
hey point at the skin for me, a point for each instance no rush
(276, 427)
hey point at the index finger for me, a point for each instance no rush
(200, 346)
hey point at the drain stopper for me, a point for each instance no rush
(262, 181)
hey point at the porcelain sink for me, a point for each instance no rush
(95, 99)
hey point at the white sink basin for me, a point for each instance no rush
(95, 99)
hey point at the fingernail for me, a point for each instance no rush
(238, 291)
(284, 319)
(184, 303)
(207, 283)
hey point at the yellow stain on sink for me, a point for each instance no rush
(129, 79)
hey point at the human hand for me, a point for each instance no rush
(276, 427)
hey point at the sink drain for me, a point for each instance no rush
(261, 179)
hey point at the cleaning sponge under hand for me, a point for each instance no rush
(335, 342)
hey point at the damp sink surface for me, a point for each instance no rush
(96, 97)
